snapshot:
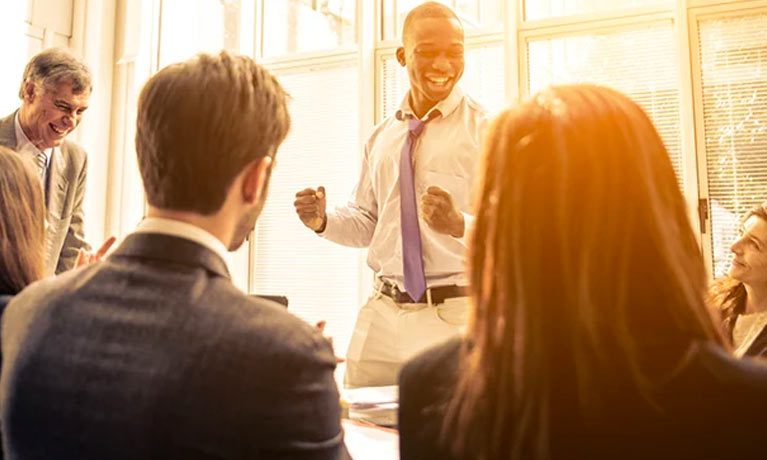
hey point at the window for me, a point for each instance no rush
(542, 9)
(733, 84)
(312, 49)
(190, 27)
(475, 15)
(294, 26)
(320, 278)
(639, 61)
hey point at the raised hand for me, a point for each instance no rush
(84, 257)
(310, 207)
(438, 210)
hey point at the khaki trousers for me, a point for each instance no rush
(387, 334)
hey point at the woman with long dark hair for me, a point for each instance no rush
(22, 223)
(589, 337)
(740, 297)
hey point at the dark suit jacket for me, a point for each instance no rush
(154, 353)
(713, 408)
(65, 191)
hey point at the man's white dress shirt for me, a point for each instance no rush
(183, 230)
(446, 155)
(25, 147)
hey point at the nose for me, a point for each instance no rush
(737, 247)
(70, 120)
(441, 63)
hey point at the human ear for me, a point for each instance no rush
(29, 92)
(256, 179)
(401, 56)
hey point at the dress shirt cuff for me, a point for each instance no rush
(468, 223)
(332, 230)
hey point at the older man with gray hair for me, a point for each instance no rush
(54, 92)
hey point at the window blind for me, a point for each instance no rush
(321, 279)
(641, 63)
(733, 63)
(543, 9)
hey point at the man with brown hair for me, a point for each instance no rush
(55, 92)
(154, 353)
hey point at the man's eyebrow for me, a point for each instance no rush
(68, 105)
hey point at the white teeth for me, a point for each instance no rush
(440, 80)
(57, 130)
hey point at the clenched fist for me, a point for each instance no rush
(310, 207)
(438, 210)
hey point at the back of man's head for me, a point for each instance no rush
(200, 123)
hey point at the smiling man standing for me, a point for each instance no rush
(411, 205)
(54, 91)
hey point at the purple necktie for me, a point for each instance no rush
(412, 260)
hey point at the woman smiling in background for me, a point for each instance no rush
(741, 296)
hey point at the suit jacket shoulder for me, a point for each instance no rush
(157, 355)
(74, 152)
(8, 131)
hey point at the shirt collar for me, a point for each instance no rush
(183, 230)
(23, 144)
(446, 106)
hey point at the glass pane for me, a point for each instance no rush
(321, 279)
(189, 27)
(733, 60)
(641, 63)
(474, 14)
(13, 29)
(542, 9)
(295, 26)
(483, 79)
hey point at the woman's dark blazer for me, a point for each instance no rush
(714, 407)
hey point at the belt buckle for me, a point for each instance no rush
(400, 296)
(392, 291)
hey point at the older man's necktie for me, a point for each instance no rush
(42, 164)
(412, 256)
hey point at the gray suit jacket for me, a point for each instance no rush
(154, 353)
(65, 191)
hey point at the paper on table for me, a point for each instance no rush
(368, 396)
(370, 443)
(377, 405)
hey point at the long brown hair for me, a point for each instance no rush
(727, 295)
(22, 223)
(586, 280)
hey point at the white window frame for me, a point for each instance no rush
(707, 9)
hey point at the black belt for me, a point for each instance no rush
(438, 293)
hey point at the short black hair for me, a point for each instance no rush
(426, 10)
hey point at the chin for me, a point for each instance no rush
(52, 143)
(736, 274)
(236, 244)
(440, 95)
